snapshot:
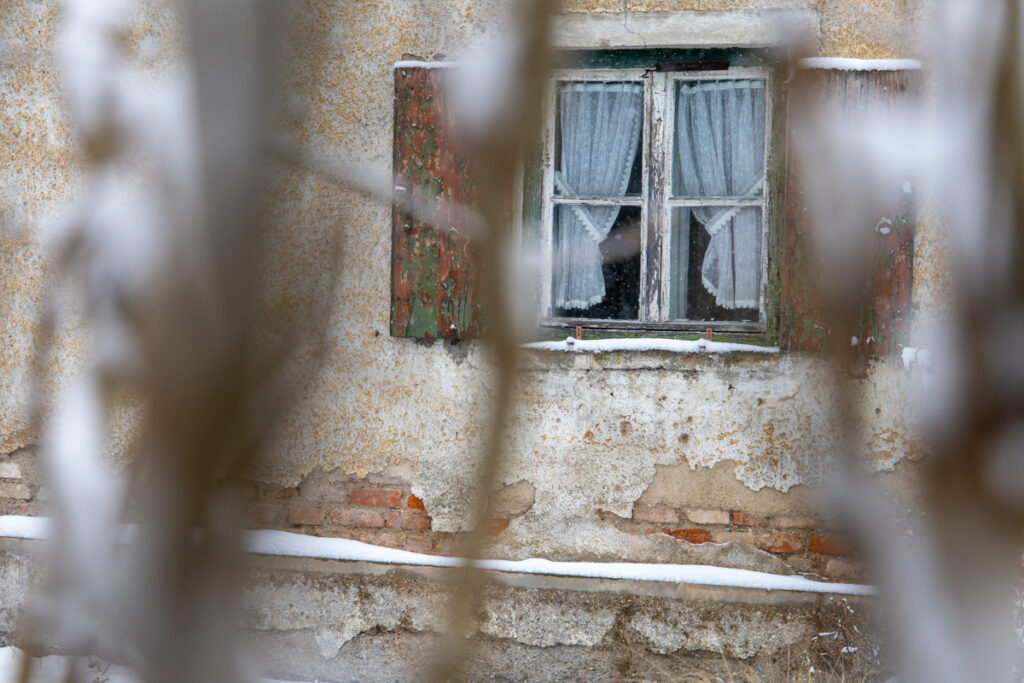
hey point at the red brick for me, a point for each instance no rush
(419, 544)
(357, 517)
(377, 538)
(498, 525)
(780, 542)
(385, 498)
(691, 535)
(795, 523)
(829, 545)
(305, 515)
(411, 521)
(29, 509)
(415, 502)
(654, 515)
(448, 544)
(744, 519)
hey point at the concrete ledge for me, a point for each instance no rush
(309, 619)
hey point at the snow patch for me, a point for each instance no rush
(417, 64)
(846, 64)
(670, 345)
(288, 544)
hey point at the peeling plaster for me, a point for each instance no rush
(587, 435)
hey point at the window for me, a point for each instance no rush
(654, 199)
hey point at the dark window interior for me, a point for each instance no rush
(620, 253)
(700, 303)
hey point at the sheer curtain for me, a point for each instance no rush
(600, 130)
(720, 153)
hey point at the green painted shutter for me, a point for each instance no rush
(883, 322)
(435, 258)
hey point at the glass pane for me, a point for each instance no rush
(596, 262)
(715, 263)
(598, 138)
(719, 138)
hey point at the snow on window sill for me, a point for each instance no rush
(642, 344)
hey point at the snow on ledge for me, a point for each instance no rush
(288, 544)
(846, 64)
(671, 345)
(418, 64)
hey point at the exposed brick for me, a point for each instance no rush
(325, 487)
(708, 516)
(357, 517)
(305, 515)
(498, 525)
(28, 509)
(448, 544)
(415, 502)
(418, 543)
(414, 521)
(745, 537)
(377, 538)
(388, 498)
(744, 519)
(845, 569)
(11, 490)
(691, 535)
(10, 470)
(829, 545)
(654, 515)
(795, 523)
(780, 542)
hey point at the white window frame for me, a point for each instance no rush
(654, 201)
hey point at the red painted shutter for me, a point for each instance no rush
(435, 258)
(883, 323)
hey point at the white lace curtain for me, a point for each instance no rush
(720, 153)
(600, 130)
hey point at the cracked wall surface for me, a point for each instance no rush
(589, 434)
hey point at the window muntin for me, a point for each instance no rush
(695, 229)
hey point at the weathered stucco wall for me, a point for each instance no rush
(590, 433)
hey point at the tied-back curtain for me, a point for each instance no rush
(600, 130)
(720, 151)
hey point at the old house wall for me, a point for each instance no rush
(638, 455)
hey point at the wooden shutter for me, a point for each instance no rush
(883, 323)
(435, 258)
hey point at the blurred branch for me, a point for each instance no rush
(501, 147)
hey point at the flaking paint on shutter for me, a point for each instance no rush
(883, 323)
(435, 258)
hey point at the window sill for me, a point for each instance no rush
(677, 355)
(571, 345)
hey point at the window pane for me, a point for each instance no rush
(596, 262)
(715, 263)
(598, 138)
(719, 138)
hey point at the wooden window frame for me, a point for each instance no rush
(654, 201)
